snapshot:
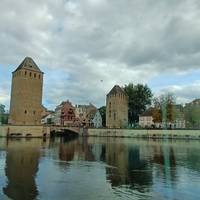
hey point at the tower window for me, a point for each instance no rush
(25, 111)
(35, 75)
(25, 73)
(30, 74)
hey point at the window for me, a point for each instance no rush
(39, 76)
(34, 112)
(30, 74)
(25, 73)
(114, 116)
(25, 111)
(35, 75)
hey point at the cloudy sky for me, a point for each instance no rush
(86, 46)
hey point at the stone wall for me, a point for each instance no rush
(24, 131)
(117, 111)
(175, 134)
(26, 97)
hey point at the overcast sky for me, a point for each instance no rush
(86, 46)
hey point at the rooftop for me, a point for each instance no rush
(116, 90)
(28, 63)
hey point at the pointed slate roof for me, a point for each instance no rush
(117, 89)
(28, 63)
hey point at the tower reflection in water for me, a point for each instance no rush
(127, 167)
(21, 167)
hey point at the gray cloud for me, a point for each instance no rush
(183, 93)
(116, 41)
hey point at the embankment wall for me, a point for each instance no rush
(176, 134)
(24, 131)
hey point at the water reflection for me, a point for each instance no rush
(76, 150)
(127, 167)
(22, 159)
(87, 166)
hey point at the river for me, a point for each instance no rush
(99, 168)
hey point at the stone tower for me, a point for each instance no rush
(117, 108)
(26, 94)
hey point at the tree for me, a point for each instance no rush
(140, 97)
(2, 108)
(164, 108)
(102, 111)
(2, 114)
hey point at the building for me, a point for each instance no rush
(90, 117)
(45, 111)
(146, 118)
(117, 108)
(179, 117)
(67, 113)
(97, 120)
(84, 113)
(26, 94)
(48, 118)
(57, 115)
(192, 114)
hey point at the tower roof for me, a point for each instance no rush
(28, 63)
(117, 89)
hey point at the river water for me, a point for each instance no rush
(99, 168)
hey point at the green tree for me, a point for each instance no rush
(2, 112)
(102, 111)
(140, 97)
(164, 107)
(2, 108)
(192, 115)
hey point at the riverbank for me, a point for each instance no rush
(145, 133)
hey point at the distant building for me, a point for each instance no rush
(117, 108)
(67, 113)
(45, 111)
(48, 119)
(146, 118)
(64, 114)
(26, 94)
(97, 120)
(192, 114)
(179, 118)
(84, 113)
(90, 117)
(57, 115)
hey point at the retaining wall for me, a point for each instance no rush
(24, 131)
(177, 134)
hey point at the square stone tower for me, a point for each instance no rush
(117, 108)
(26, 94)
